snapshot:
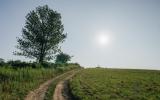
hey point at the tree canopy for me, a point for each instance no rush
(62, 58)
(41, 35)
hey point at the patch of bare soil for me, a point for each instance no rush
(61, 91)
(39, 93)
(66, 91)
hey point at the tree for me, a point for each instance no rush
(2, 62)
(41, 35)
(62, 58)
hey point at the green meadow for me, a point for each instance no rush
(116, 84)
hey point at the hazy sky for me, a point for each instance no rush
(132, 27)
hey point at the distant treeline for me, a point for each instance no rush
(23, 64)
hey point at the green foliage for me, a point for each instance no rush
(62, 58)
(21, 64)
(16, 82)
(50, 91)
(116, 84)
(41, 35)
(18, 64)
(2, 62)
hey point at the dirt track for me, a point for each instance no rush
(60, 93)
(38, 94)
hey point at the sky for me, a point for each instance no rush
(108, 33)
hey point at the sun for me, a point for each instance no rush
(103, 39)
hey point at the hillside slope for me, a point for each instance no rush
(116, 84)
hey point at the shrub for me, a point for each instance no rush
(2, 62)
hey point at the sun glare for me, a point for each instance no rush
(102, 39)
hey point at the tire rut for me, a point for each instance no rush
(39, 93)
(61, 91)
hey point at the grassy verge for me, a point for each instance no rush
(116, 84)
(16, 83)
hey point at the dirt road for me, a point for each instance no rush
(61, 91)
(38, 94)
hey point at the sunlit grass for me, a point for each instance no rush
(115, 84)
(16, 83)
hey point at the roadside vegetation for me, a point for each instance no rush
(15, 83)
(116, 84)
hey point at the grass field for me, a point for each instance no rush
(116, 84)
(16, 83)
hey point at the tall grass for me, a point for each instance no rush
(16, 83)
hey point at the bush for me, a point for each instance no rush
(20, 64)
(48, 65)
(2, 62)
(62, 58)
